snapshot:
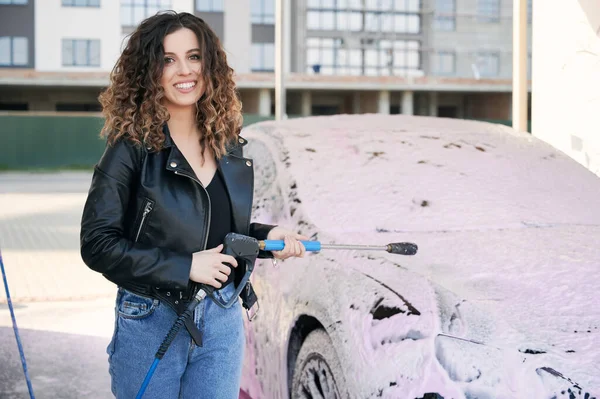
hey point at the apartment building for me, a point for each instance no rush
(448, 58)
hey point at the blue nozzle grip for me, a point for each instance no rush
(278, 245)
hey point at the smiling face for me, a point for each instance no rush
(182, 73)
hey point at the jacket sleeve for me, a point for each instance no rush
(257, 230)
(260, 232)
(104, 245)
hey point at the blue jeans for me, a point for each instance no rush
(186, 371)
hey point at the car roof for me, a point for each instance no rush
(360, 173)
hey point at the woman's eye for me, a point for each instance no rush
(195, 57)
(168, 60)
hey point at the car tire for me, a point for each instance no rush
(318, 372)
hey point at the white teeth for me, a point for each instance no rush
(185, 85)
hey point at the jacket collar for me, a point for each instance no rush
(237, 173)
(230, 147)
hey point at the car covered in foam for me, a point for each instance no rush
(507, 229)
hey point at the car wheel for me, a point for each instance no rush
(318, 373)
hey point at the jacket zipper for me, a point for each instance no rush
(207, 225)
(147, 210)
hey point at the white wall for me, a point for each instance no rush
(183, 6)
(238, 35)
(176, 5)
(566, 78)
(54, 22)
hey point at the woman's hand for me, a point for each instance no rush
(293, 247)
(208, 268)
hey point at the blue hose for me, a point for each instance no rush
(147, 379)
(164, 346)
(16, 329)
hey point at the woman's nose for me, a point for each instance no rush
(184, 68)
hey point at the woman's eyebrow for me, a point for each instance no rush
(187, 52)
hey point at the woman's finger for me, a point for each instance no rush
(292, 247)
(288, 246)
(220, 276)
(224, 269)
(229, 259)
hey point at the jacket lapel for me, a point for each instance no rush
(238, 175)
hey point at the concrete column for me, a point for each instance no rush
(287, 36)
(383, 103)
(282, 55)
(356, 102)
(264, 102)
(407, 103)
(519, 92)
(433, 104)
(306, 103)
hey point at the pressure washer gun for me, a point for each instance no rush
(245, 250)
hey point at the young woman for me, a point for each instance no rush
(170, 185)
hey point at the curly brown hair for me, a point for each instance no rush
(131, 104)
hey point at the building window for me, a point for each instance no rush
(396, 16)
(488, 64)
(81, 3)
(209, 5)
(328, 56)
(14, 51)
(263, 57)
(445, 63)
(14, 2)
(135, 11)
(334, 20)
(263, 12)
(392, 57)
(335, 4)
(488, 10)
(81, 52)
(445, 15)
(399, 16)
(392, 22)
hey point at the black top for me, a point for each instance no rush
(220, 211)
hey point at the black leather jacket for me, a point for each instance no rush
(146, 214)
